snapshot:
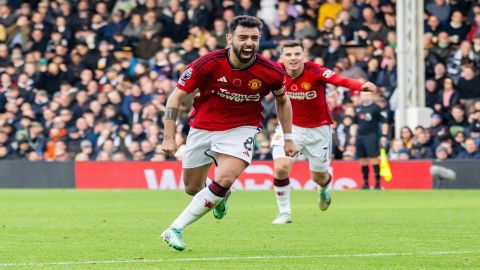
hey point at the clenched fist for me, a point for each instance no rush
(290, 148)
(169, 146)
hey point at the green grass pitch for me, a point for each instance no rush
(79, 229)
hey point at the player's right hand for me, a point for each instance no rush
(169, 146)
(290, 149)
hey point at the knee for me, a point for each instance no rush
(225, 179)
(281, 170)
(193, 189)
(322, 178)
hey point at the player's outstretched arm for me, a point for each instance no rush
(284, 112)
(330, 77)
(169, 145)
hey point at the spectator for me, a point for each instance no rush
(422, 148)
(471, 150)
(264, 152)
(81, 157)
(457, 118)
(333, 53)
(468, 86)
(18, 33)
(69, 68)
(329, 9)
(464, 54)
(304, 28)
(431, 93)
(475, 28)
(439, 8)
(245, 7)
(447, 97)
(433, 25)
(457, 29)
(197, 13)
(395, 147)
(475, 126)
(442, 47)
(387, 77)
(103, 156)
(349, 153)
(219, 31)
(119, 156)
(406, 135)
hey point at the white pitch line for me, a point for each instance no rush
(266, 257)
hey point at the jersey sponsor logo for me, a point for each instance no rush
(328, 73)
(254, 84)
(237, 97)
(237, 82)
(187, 74)
(222, 79)
(303, 95)
(294, 87)
(279, 91)
(181, 82)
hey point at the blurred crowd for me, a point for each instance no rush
(88, 80)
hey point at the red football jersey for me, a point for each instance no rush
(229, 97)
(307, 94)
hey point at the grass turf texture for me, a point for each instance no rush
(361, 230)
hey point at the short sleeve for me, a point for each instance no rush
(279, 88)
(191, 76)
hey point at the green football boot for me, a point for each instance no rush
(173, 237)
(324, 199)
(220, 210)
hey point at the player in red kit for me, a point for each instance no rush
(225, 119)
(305, 86)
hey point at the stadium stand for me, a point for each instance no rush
(88, 80)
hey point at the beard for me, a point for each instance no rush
(238, 54)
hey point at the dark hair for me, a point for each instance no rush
(292, 43)
(245, 21)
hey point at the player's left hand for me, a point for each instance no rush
(369, 87)
(290, 149)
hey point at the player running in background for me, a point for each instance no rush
(225, 119)
(305, 85)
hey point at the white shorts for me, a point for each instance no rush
(203, 145)
(315, 144)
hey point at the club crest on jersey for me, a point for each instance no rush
(294, 87)
(254, 84)
(306, 85)
(187, 74)
(277, 137)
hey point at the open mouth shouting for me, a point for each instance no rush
(246, 54)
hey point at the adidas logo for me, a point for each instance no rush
(246, 153)
(222, 79)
